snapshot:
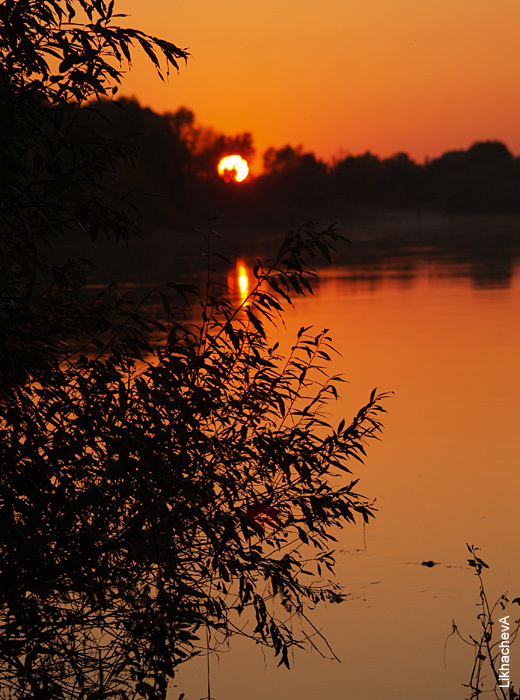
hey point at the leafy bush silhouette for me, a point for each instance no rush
(145, 501)
(158, 479)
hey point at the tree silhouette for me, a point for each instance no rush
(159, 478)
(482, 179)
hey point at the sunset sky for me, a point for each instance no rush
(338, 76)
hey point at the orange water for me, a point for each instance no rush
(446, 472)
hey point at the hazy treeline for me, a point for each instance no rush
(175, 161)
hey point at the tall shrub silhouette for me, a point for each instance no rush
(159, 479)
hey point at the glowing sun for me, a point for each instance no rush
(233, 168)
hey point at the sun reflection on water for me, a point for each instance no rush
(243, 281)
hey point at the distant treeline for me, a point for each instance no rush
(175, 162)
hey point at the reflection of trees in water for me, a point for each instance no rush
(492, 273)
(483, 272)
(484, 249)
(177, 161)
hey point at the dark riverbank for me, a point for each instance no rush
(489, 245)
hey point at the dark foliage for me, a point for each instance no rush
(174, 159)
(158, 480)
(177, 161)
(54, 165)
(143, 502)
(491, 645)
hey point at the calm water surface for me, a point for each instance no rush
(445, 472)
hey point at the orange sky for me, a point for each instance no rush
(338, 76)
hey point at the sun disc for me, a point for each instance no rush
(233, 167)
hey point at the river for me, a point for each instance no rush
(446, 340)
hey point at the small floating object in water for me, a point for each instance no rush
(429, 563)
(338, 597)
